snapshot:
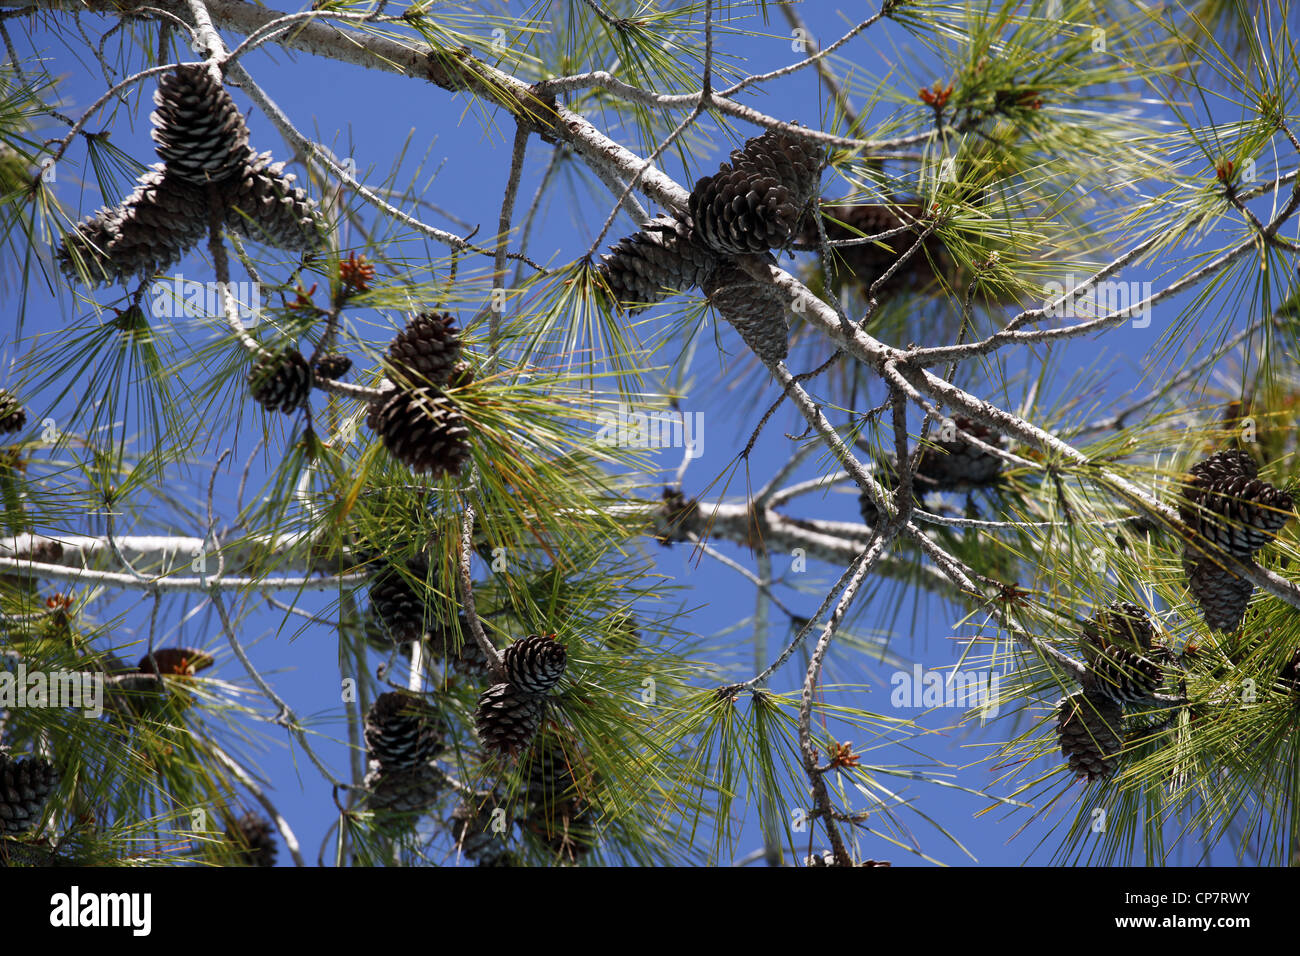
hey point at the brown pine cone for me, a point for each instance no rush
(423, 431)
(756, 309)
(862, 265)
(645, 267)
(426, 351)
(25, 785)
(199, 132)
(1088, 727)
(1221, 595)
(755, 202)
(264, 205)
(534, 664)
(960, 463)
(1119, 624)
(507, 720)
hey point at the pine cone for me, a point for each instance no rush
(756, 309)
(535, 664)
(141, 690)
(398, 607)
(471, 661)
(332, 365)
(1120, 624)
(795, 161)
(264, 205)
(281, 381)
(462, 375)
(886, 473)
(868, 509)
(1221, 595)
(426, 351)
(863, 264)
(149, 233)
(960, 463)
(567, 828)
(1123, 676)
(457, 644)
(1238, 514)
(83, 252)
(43, 552)
(548, 778)
(403, 731)
(1224, 464)
(424, 432)
(756, 202)
(25, 785)
(677, 517)
(132, 691)
(507, 720)
(254, 839)
(1088, 728)
(472, 832)
(413, 790)
(645, 267)
(13, 417)
(199, 132)
(175, 661)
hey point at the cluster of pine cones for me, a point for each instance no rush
(1228, 509)
(947, 465)
(476, 833)
(1227, 505)
(1116, 645)
(404, 734)
(554, 813)
(202, 140)
(25, 785)
(753, 204)
(418, 424)
(510, 713)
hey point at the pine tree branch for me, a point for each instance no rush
(812, 58)
(199, 585)
(818, 58)
(821, 797)
(493, 656)
(504, 225)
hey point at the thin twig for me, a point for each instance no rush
(467, 586)
(522, 133)
(285, 716)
